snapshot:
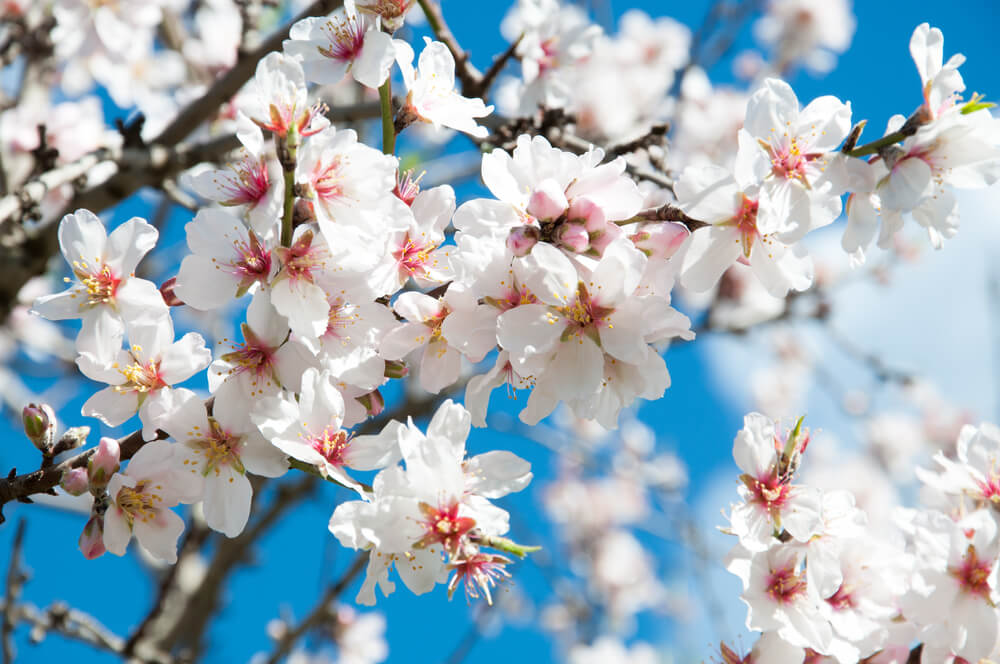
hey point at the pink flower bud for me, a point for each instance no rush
(396, 369)
(522, 240)
(586, 212)
(573, 237)
(104, 463)
(40, 425)
(373, 402)
(167, 291)
(75, 482)
(92, 538)
(600, 240)
(660, 240)
(548, 201)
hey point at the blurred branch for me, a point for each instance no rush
(467, 74)
(321, 612)
(15, 584)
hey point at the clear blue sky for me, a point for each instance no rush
(878, 77)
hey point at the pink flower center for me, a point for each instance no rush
(101, 283)
(332, 444)
(843, 599)
(140, 378)
(253, 357)
(252, 261)
(407, 187)
(220, 448)
(583, 315)
(973, 574)
(412, 256)
(746, 221)
(248, 183)
(326, 179)
(302, 259)
(443, 524)
(990, 487)
(137, 502)
(479, 573)
(550, 55)
(346, 38)
(784, 586)
(787, 161)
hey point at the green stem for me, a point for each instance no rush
(432, 18)
(288, 154)
(508, 546)
(388, 130)
(875, 146)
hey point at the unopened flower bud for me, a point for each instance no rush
(373, 402)
(660, 240)
(574, 237)
(548, 201)
(92, 538)
(74, 481)
(588, 213)
(522, 240)
(396, 369)
(40, 425)
(104, 463)
(167, 291)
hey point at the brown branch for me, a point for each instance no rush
(15, 583)
(321, 611)
(21, 487)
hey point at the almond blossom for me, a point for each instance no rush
(141, 498)
(432, 507)
(431, 95)
(227, 261)
(344, 42)
(141, 377)
(310, 430)
(731, 207)
(254, 181)
(104, 293)
(445, 328)
(219, 450)
(278, 100)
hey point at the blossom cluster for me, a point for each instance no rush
(820, 581)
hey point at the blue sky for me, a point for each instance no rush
(697, 418)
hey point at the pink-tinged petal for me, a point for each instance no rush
(781, 269)
(823, 124)
(70, 303)
(709, 253)
(117, 532)
(101, 335)
(753, 448)
(375, 452)
(139, 299)
(184, 358)
(528, 329)
(473, 333)
(708, 194)
(495, 474)
(486, 217)
(417, 307)
(548, 274)
(770, 107)
(752, 162)
(262, 458)
(371, 69)
(451, 421)
(304, 305)
(227, 501)
(128, 243)
(398, 343)
(267, 324)
(439, 366)
(908, 182)
(111, 407)
(202, 284)
(82, 237)
(421, 570)
(159, 535)
(433, 208)
(617, 275)
(151, 459)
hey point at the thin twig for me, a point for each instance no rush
(320, 612)
(15, 583)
